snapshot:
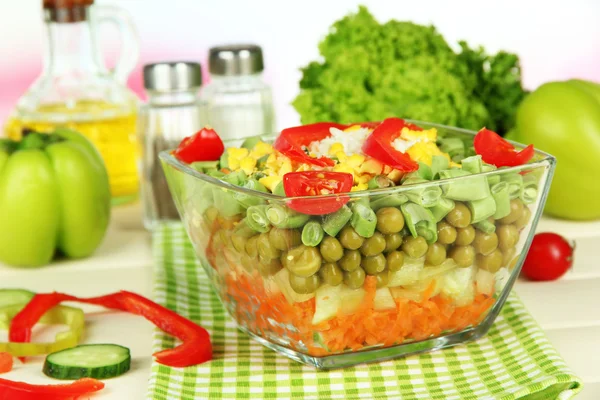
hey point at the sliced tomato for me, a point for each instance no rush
(497, 151)
(292, 140)
(204, 145)
(379, 145)
(315, 183)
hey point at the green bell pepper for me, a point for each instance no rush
(563, 119)
(54, 196)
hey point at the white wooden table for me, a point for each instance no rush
(568, 310)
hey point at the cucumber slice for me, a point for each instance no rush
(9, 297)
(100, 361)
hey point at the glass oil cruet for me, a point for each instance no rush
(76, 90)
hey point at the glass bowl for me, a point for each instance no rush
(352, 299)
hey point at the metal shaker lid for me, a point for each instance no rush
(172, 76)
(66, 11)
(232, 60)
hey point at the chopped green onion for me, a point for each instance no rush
(312, 234)
(256, 218)
(469, 189)
(334, 222)
(420, 221)
(389, 200)
(247, 200)
(441, 209)
(224, 160)
(481, 209)
(472, 164)
(279, 190)
(438, 163)
(515, 184)
(363, 220)
(486, 226)
(530, 189)
(283, 217)
(502, 199)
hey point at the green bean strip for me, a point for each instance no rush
(256, 218)
(488, 167)
(438, 163)
(481, 209)
(502, 199)
(426, 197)
(237, 178)
(247, 200)
(486, 226)
(225, 202)
(216, 174)
(279, 190)
(420, 221)
(250, 142)
(472, 164)
(379, 182)
(283, 217)
(224, 160)
(453, 146)
(390, 200)
(334, 222)
(515, 184)
(312, 234)
(424, 171)
(441, 209)
(363, 220)
(475, 188)
(530, 189)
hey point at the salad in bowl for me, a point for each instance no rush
(339, 244)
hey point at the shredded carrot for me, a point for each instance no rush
(258, 310)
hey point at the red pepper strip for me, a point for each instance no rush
(195, 349)
(6, 362)
(314, 183)
(379, 145)
(204, 145)
(291, 141)
(12, 390)
(497, 151)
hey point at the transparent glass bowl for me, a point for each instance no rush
(289, 296)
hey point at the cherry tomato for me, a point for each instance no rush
(549, 257)
(204, 145)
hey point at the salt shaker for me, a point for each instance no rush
(173, 111)
(239, 103)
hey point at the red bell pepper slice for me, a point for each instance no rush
(379, 144)
(12, 390)
(204, 145)
(291, 141)
(6, 362)
(314, 183)
(195, 349)
(497, 151)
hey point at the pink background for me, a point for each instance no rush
(555, 39)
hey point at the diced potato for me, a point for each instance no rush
(430, 272)
(408, 274)
(327, 303)
(415, 292)
(351, 299)
(282, 278)
(371, 166)
(383, 299)
(355, 160)
(270, 182)
(343, 167)
(484, 281)
(501, 278)
(459, 285)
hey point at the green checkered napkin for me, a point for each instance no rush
(514, 361)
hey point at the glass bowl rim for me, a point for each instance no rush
(172, 161)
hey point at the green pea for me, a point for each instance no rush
(284, 239)
(491, 262)
(331, 274)
(265, 249)
(392, 242)
(303, 261)
(508, 256)
(485, 243)
(508, 236)
(373, 264)
(350, 261)
(269, 267)
(516, 211)
(523, 220)
(251, 246)
(383, 278)
(350, 239)
(389, 220)
(446, 233)
(436, 254)
(210, 215)
(373, 245)
(354, 279)
(395, 261)
(415, 247)
(331, 249)
(305, 284)
(465, 236)
(464, 256)
(460, 216)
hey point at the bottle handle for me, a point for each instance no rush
(130, 46)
